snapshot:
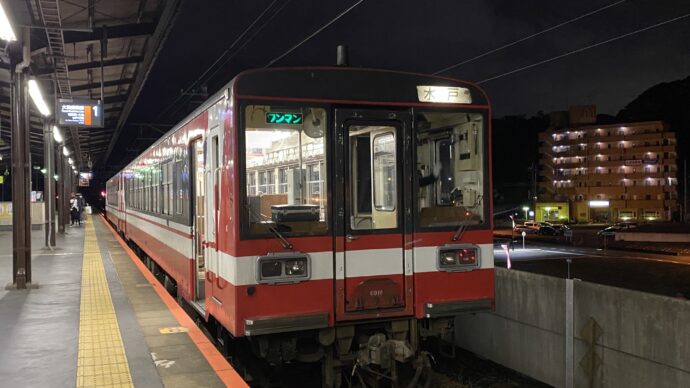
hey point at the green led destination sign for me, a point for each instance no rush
(283, 118)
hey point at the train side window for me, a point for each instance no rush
(285, 170)
(450, 168)
(147, 190)
(167, 188)
(156, 189)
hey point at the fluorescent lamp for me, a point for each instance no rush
(57, 135)
(6, 32)
(65, 151)
(37, 98)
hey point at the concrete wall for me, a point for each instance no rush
(643, 341)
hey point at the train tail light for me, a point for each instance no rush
(458, 257)
(277, 268)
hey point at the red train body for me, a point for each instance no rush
(324, 202)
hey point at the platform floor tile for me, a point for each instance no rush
(101, 360)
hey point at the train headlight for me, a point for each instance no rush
(448, 258)
(461, 257)
(296, 267)
(277, 268)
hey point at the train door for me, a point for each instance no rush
(213, 174)
(199, 219)
(371, 218)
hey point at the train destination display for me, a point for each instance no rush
(80, 112)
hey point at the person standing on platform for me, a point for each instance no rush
(74, 210)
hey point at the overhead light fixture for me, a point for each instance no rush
(37, 98)
(6, 32)
(70, 161)
(57, 135)
(65, 151)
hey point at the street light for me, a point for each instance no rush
(57, 135)
(37, 98)
(525, 209)
(6, 32)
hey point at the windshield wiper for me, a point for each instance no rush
(458, 233)
(283, 241)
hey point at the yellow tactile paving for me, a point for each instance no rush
(101, 361)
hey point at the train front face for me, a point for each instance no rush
(364, 202)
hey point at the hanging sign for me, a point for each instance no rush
(80, 113)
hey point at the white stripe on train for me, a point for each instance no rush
(242, 271)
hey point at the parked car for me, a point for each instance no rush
(617, 227)
(525, 228)
(561, 228)
(549, 230)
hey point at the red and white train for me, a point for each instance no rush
(322, 214)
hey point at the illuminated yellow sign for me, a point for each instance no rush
(445, 94)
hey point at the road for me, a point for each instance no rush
(658, 274)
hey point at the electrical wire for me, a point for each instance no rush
(234, 43)
(246, 42)
(505, 46)
(586, 48)
(293, 48)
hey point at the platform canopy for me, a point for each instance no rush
(85, 49)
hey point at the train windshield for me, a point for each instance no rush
(451, 160)
(285, 169)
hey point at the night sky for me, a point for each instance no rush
(405, 35)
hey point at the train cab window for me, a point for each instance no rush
(285, 170)
(373, 177)
(450, 168)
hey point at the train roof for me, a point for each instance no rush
(346, 84)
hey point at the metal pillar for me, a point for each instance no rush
(49, 185)
(21, 182)
(67, 186)
(62, 210)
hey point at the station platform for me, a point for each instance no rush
(98, 319)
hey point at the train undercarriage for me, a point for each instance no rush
(372, 354)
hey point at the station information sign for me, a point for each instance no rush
(80, 113)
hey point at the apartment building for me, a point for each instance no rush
(607, 173)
